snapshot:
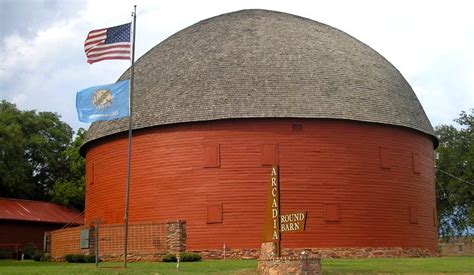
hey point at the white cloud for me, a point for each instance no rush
(430, 42)
(45, 71)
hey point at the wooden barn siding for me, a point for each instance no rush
(25, 232)
(327, 162)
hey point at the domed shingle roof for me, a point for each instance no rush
(265, 64)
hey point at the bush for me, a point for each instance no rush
(70, 258)
(5, 254)
(189, 257)
(29, 250)
(79, 258)
(46, 257)
(183, 257)
(169, 258)
(89, 258)
(38, 256)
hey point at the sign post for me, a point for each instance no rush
(275, 222)
(272, 218)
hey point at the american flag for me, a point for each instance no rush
(108, 43)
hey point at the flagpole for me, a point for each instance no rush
(130, 98)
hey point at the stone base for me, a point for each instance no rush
(294, 265)
(265, 252)
(269, 263)
(131, 258)
(325, 253)
(217, 254)
(361, 252)
(461, 246)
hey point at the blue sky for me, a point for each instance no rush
(43, 65)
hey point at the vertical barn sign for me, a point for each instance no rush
(272, 216)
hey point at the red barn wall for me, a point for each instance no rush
(362, 184)
(25, 232)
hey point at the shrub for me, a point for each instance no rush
(169, 258)
(74, 258)
(46, 257)
(183, 257)
(5, 254)
(29, 250)
(38, 256)
(189, 257)
(70, 258)
(89, 258)
(79, 258)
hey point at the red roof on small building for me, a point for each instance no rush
(38, 211)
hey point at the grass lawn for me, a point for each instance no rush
(446, 265)
(210, 266)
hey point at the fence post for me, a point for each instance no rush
(97, 243)
(46, 241)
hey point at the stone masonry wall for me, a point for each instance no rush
(457, 247)
(176, 236)
(363, 252)
(297, 265)
(343, 252)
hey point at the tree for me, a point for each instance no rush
(455, 176)
(69, 189)
(32, 152)
(13, 168)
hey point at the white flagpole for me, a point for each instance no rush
(130, 98)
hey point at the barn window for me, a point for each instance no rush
(416, 162)
(385, 161)
(90, 176)
(331, 213)
(413, 214)
(270, 154)
(214, 213)
(212, 156)
(297, 127)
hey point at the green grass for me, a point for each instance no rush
(211, 266)
(447, 265)
(444, 265)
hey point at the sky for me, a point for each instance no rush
(43, 65)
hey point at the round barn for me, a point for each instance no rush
(217, 104)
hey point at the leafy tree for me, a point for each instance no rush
(35, 153)
(69, 190)
(13, 167)
(455, 176)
